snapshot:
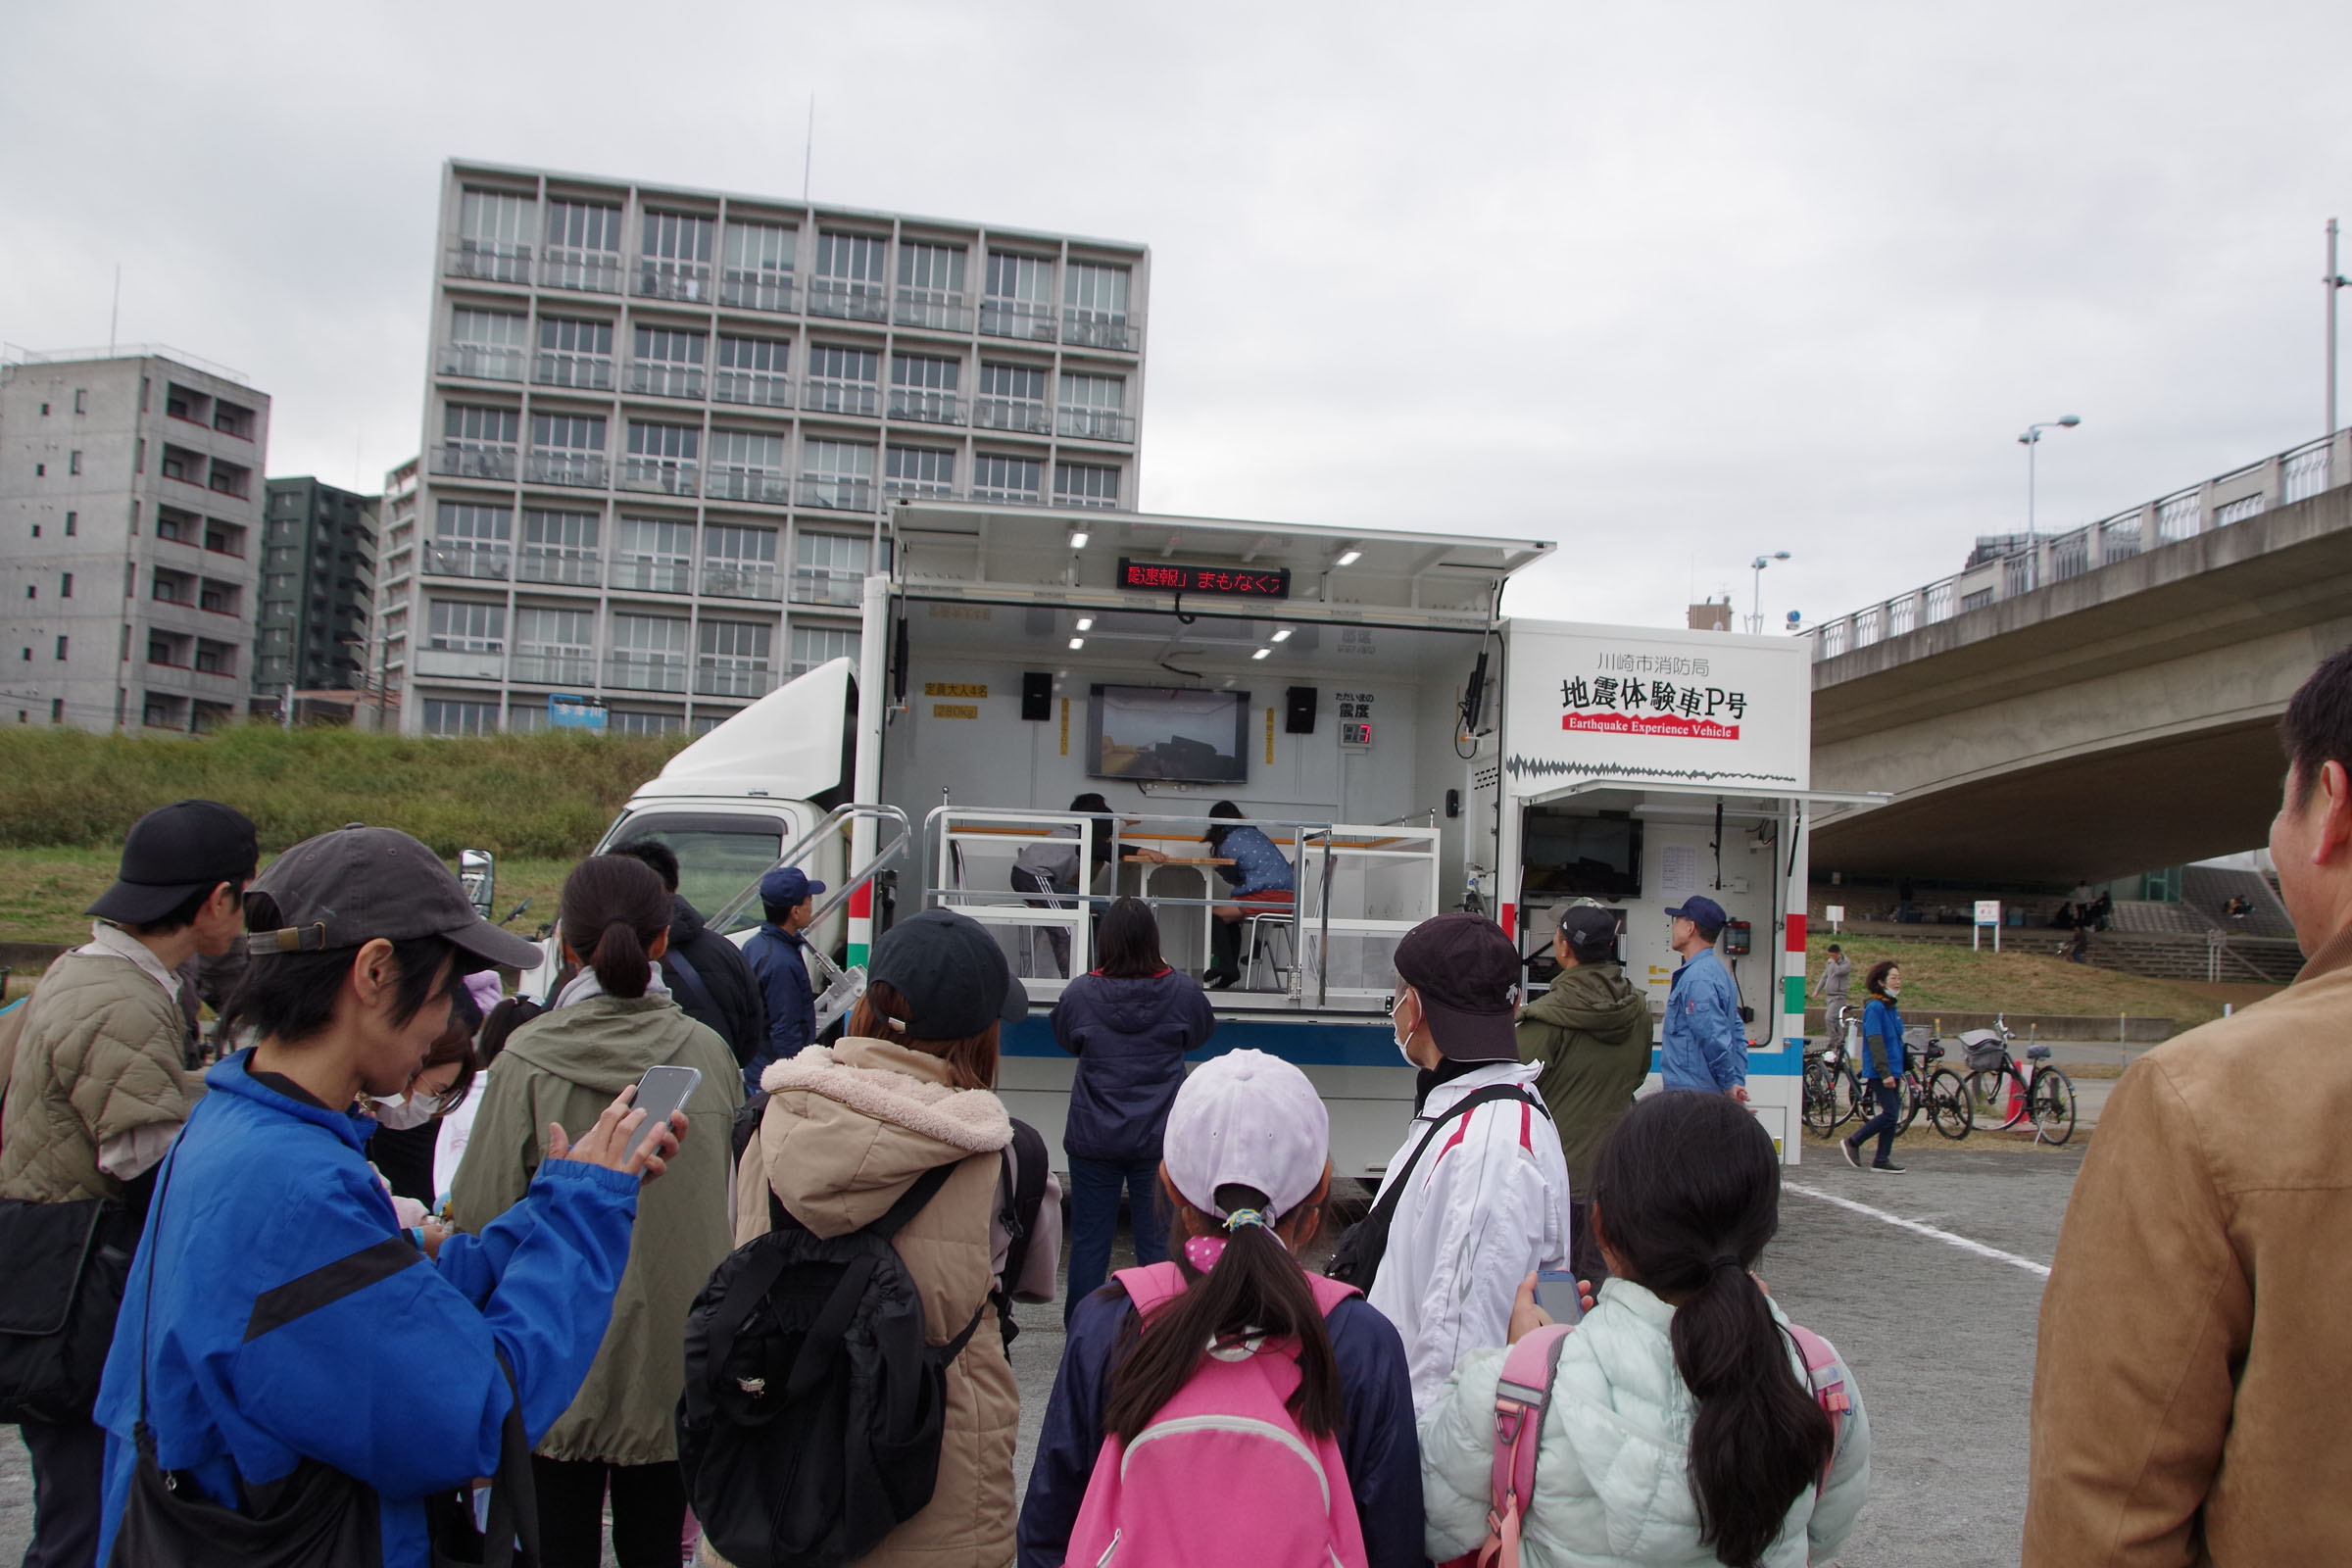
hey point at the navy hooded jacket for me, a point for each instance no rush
(292, 1316)
(1130, 1037)
(780, 958)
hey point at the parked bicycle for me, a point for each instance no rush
(2001, 1094)
(1832, 1094)
(1939, 1089)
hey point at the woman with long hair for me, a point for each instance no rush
(611, 1024)
(1683, 1428)
(1129, 1022)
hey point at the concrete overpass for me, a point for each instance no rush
(2102, 709)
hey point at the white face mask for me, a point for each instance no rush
(1397, 1030)
(408, 1111)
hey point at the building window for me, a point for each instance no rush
(662, 456)
(1094, 408)
(60, 647)
(733, 658)
(494, 236)
(477, 442)
(1019, 297)
(567, 449)
(813, 646)
(923, 387)
(748, 465)
(739, 562)
(81, 401)
(486, 344)
(64, 585)
(668, 363)
(215, 658)
(998, 477)
(758, 266)
(1093, 306)
(674, 262)
(56, 709)
(231, 419)
(73, 523)
(626, 721)
(445, 717)
(931, 287)
(838, 475)
(556, 647)
(649, 654)
(829, 569)
(842, 380)
(1013, 397)
(583, 247)
(73, 463)
(750, 370)
(471, 539)
(1085, 484)
(848, 276)
(574, 353)
(559, 547)
(465, 628)
(918, 471)
(653, 553)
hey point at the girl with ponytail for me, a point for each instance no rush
(1192, 1393)
(611, 1023)
(1683, 1417)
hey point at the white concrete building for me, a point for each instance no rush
(663, 429)
(131, 500)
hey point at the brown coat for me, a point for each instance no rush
(847, 1129)
(101, 1055)
(2173, 1421)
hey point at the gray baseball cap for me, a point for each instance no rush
(346, 888)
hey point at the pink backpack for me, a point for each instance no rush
(1524, 1395)
(1223, 1473)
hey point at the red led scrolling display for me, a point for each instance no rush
(1167, 577)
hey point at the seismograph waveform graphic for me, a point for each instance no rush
(1546, 767)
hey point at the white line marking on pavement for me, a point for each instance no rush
(1963, 1243)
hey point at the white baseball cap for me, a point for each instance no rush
(1250, 1118)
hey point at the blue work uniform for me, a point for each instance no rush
(1705, 1044)
(780, 958)
(292, 1317)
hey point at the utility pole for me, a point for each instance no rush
(2330, 283)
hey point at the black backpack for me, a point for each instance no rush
(810, 1426)
(1025, 1158)
(1356, 1258)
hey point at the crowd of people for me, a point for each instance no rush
(774, 1325)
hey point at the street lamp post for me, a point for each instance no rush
(2032, 442)
(2331, 282)
(1755, 607)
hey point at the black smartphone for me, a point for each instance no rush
(660, 1093)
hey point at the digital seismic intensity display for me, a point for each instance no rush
(1236, 582)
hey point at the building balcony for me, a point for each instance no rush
(750, 290)
(1096, 424)
(559, 564)
(481, 361)
(1011, 413)
(1064, 498)
(590, 373)
(931, 407)
(732, 482)
(666, 477)
(1102, 329)
(727, 579)
(467, 557)
(848, 301)
(553, 666)
(824, 394)
(487, 262)
(818, 585)
(589, 271)
(733, 679)
(646, 672)
(1009, 494)
(838, 494)
(471, 460)
(454, 663)
(758, 389)
(934, 308)
(918, 489)
(658, 279)
(1033, 321)
(553, 467)
(662, 575)
(661, 380)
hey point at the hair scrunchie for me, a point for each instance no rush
(1245, 1217)
(1725, 1260)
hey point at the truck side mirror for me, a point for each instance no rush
(477, 874)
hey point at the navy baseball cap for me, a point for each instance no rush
(174, 853)
(1702, 913)
(951, 973)
(786, 886)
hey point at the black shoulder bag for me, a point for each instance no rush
(1357, 1259)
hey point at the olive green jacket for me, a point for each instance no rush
(102, 1054)
(1591, 1034)
(565, 1066)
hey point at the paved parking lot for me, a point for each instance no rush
(1940, 1334)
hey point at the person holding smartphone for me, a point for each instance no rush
(275, 1316)
(611, 1028)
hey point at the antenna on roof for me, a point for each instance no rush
(809, 146)
(113, 315)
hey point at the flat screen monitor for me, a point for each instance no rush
(1166, 732)
(1599, 855)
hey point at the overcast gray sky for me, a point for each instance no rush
(1670, 285)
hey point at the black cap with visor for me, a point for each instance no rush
(346, 888)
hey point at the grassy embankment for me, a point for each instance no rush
(1961, 981)
(538, 802)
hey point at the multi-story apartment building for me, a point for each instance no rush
(130, 505)
(663, 427)
(318, 590)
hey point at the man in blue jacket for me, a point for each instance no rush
(1705, 1044)
(779, 956)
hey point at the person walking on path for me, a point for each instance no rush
(1880, 1068)
(276, 1313)
(709, 976)
(1835, 976)
(1705, 1042)
(1589, 1037)
(1489, 1205)
(2191, 1383)
(620, 1435)
(779, 956)
(101, 1084)
(1129, 1023)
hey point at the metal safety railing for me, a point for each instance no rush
(841, 987)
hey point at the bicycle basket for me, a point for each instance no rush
(1984, 1059)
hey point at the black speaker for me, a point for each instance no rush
(1037, 694)
(1300, 704)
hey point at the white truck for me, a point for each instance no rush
(1355, 693)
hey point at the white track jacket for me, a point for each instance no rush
(1487, 1206)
